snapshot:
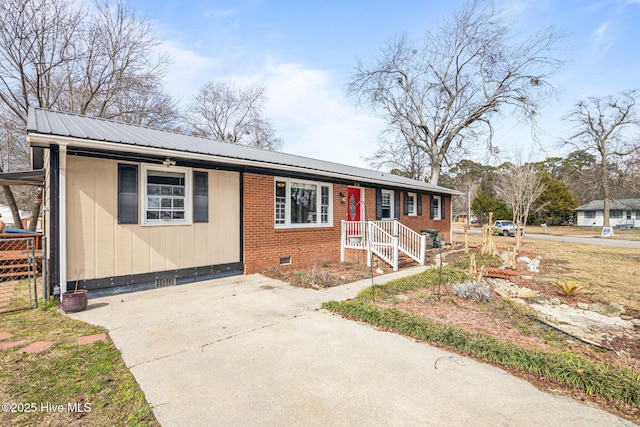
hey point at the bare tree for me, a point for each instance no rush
(520, 187)
(395, 154)
(607, 127)
(55, 54)
(442, 94)
(231, 114)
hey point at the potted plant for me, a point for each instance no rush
(76, 300)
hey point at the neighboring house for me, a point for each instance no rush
(7, 216)
(622, 213)
(130, 208)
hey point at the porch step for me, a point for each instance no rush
(406, 262)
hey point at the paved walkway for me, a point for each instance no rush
(252, 351)
(7, 342)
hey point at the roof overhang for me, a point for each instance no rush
(45, 140)
(33, 177)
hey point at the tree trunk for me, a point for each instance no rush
(35, 210)
(605, 190)
(435, 173)
(8, 195)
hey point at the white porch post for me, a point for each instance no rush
(62, 200)
(343, 241)
(395, 252)
(369, 241)
(423, 248)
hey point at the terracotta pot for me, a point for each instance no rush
(74, 301)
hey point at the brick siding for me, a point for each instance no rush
(264, 245)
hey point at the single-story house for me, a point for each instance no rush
(622, 213)
(130, 208)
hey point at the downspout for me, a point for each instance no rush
(54, 220)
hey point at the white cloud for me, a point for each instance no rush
(314, 117)
(187, 70)
(307, 107)
(602, 38)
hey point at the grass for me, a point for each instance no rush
(486, 260)
(610, 274)
(417, 281)
(92, 376)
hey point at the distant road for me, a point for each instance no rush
(602, 241)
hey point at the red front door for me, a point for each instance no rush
(353, 204)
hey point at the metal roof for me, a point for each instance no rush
(616, 204)
(33, 177)
(45, 123)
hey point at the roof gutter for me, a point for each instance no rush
(45, 140)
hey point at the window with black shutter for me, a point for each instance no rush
(200, 196)
(127, 193)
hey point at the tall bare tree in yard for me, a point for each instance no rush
(232, 114)
(519, 187)
(609, 128)
(441, 94)
(56, 54)
(396, 155)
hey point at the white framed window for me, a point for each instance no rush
(300, 203)
(589, 214)
(166, 195)
(616, 213)
(412, 209)
(637, 215)
(386, 204)
(435, 207)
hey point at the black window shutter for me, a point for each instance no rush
(397, 205)
(419, 202)
(378, 203)
(127, 194)
(406, 203)
(431, 201)
(200, 196)
(442, 208)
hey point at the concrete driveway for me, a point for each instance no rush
(252, 351)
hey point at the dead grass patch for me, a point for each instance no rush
(610, 274)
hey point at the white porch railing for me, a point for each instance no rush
(383, 238)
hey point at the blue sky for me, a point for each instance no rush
(304, 52)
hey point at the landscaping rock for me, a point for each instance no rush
(587, 325)
(554, 301)
(626, 316)
(583, 306)
(534, 265)
(606, 310)
(402, 297)
(524, 259)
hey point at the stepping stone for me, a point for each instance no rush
(92, 338)
(10, 344)
(5, 335)
(36, 347)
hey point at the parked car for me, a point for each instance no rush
(505, 227)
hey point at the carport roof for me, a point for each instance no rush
(46, 127)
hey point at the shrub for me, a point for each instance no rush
(568, 287)
(471, 290)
